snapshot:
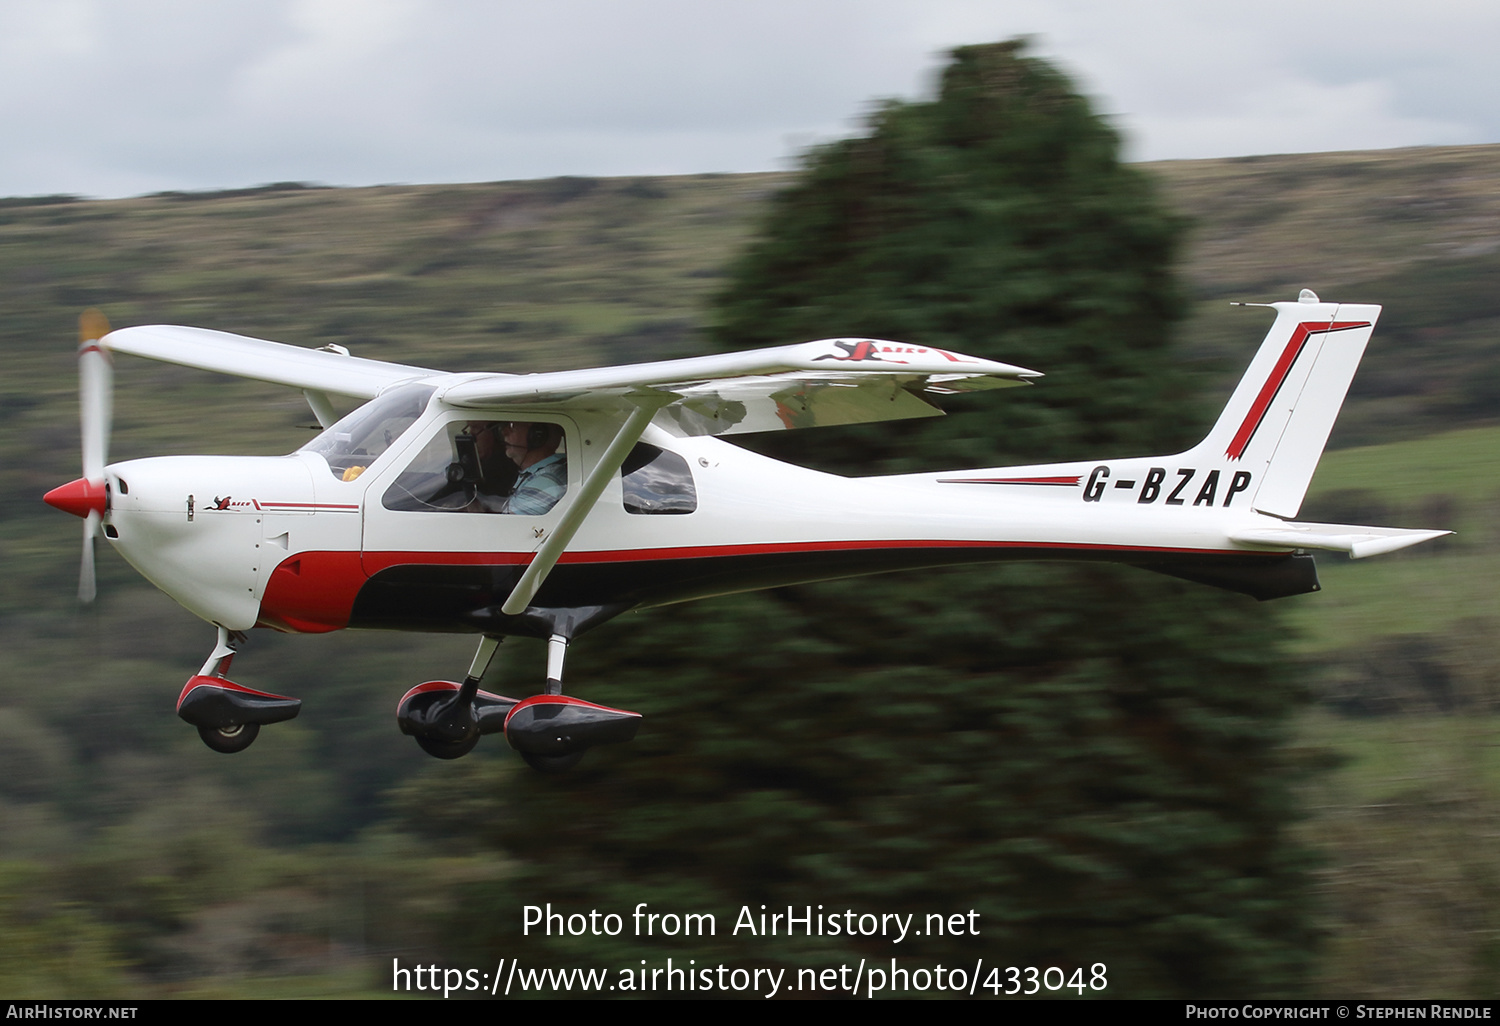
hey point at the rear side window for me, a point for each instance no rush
(657, 482)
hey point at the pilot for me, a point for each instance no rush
(543, 477)
(494, 474)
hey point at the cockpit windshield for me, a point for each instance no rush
(355, 442)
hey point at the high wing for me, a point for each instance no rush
(317, 370)
(809, 384)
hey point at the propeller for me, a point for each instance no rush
(87, 497)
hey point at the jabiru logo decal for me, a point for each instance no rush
(229, 504)
(868, 351)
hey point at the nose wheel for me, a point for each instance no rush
(229, 740)
(229, 715)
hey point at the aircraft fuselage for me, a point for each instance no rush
(286, 543)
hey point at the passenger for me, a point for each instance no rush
(532, 447)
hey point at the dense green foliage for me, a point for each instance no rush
(1087, 756)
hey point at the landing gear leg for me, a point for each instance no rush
(552, 731)
(218, 661)
(557, 654)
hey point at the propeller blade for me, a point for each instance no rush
(95, 411)
(86, 588)
(95, 394)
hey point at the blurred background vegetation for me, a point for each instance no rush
(1215, 797)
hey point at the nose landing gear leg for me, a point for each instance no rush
(229, 715)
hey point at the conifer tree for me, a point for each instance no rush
(1088, 757)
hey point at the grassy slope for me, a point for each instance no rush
(1450, 481)
(1410, 885)
(1406, 819)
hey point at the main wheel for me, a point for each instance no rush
(230, 739)
(447, 749)
(552, 763)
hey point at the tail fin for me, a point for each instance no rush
(1280, 415)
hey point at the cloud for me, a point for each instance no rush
(112, 97)
(1279, 76)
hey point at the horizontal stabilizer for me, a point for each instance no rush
(1359, 542)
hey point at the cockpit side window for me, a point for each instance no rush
(356, 441)
(657, 482)
(485, 466)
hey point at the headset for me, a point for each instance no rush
(540, 433)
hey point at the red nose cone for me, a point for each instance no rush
(78, 497)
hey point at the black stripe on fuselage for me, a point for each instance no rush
(464, 598)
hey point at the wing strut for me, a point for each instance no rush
(317, 400)
(578, 510)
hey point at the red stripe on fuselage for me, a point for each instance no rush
(713, 551)
(1069, 481)
(316, 507)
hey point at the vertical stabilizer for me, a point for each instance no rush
(1280, 415)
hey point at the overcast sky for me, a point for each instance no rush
(121, 97)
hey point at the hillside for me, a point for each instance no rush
(103, 794)
(1417, 230)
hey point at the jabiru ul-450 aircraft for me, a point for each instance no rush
(542, 505)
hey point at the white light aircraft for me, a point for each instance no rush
(542, 505)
